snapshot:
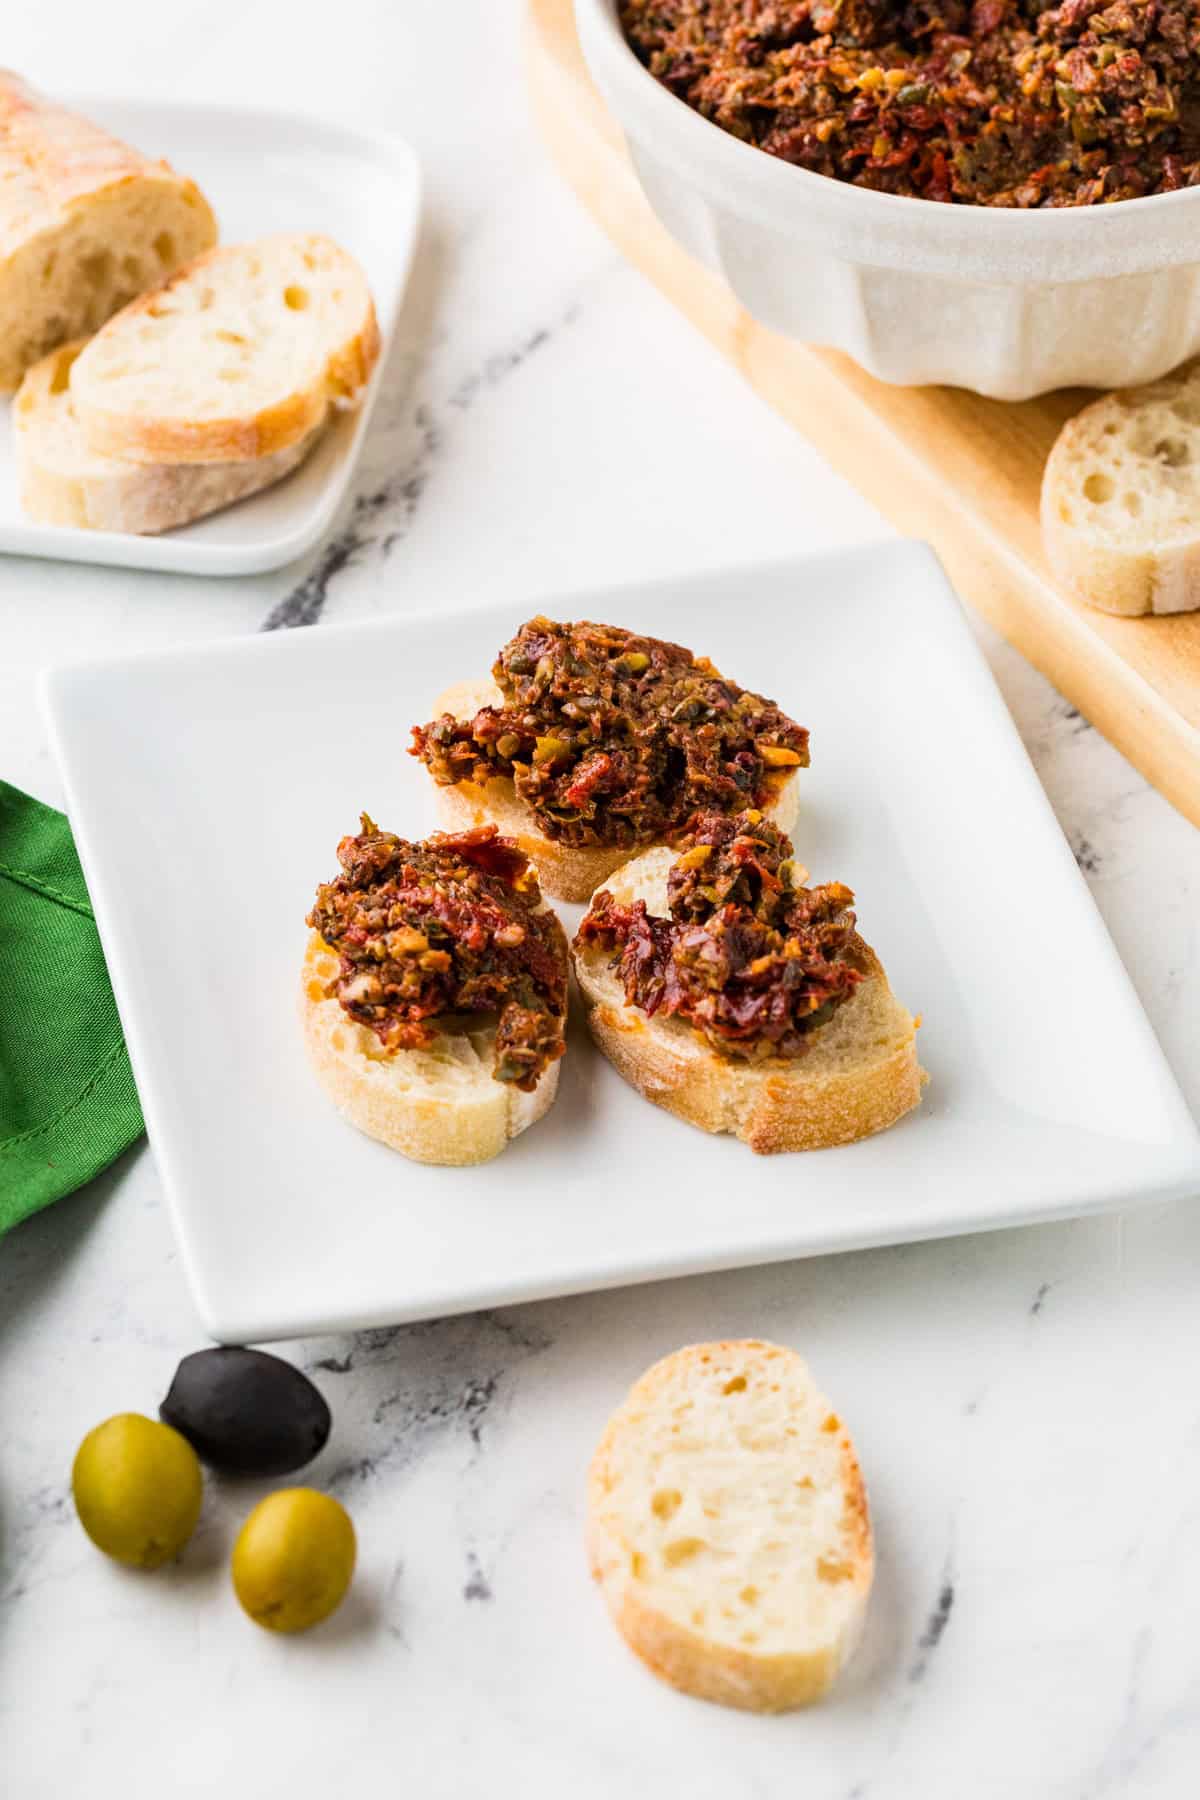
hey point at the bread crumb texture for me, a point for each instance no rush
(1121, 499)
(728, 1527)
(86, 224)
(241, 353)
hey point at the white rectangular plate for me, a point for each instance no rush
(208, 790)
(262, 172)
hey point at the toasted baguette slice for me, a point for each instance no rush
(565, 873)
(437, 1105)
(727, 1526)
(241, 354)
(1121, 499)
(86, 224)
(62, 482)
(859, 1074)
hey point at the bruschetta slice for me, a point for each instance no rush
(591, 743)
(434, 992)
(740, 1000)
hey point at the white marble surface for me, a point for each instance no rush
(1026, 1405)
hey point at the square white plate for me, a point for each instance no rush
(208, 790)
(262, 172)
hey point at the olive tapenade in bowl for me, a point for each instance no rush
(741, 1000)
(591, 743)
(434, 992)
(990, 193)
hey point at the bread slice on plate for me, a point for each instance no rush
(565, 871)
(242, 353)
(1121, 499)
(62, 482)
(858, 1075)
(86, 224)
(728, 1527)
(439, 1104)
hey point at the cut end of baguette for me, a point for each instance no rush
(437, 1105)
(564, 872)
(1121, 499)
(63, 482)
(728, 1527)
(86, 224)
(242, 353)
(859, 1074)
(75, 274)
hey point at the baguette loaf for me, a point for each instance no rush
(1121, 499)
(86, 224)
(242, 353)
(728, 1528)
(858, 1075)
(564, 871)
(62, 482)
(440, 1104)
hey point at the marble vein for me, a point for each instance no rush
(415, 1385)
(381, 515)
(935, 1626)
(476, 1585)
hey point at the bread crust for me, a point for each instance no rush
(54, 159)
(565, 872)
(441, 1106)
(63, 483)
(773, 1109)
(810, 1102)
(56, 168)
(236, 436)
(690, 1659)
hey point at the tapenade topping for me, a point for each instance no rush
(612, 738)
(449, 925)
(987, 102)
(753, 961)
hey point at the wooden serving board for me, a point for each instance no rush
(940, 463)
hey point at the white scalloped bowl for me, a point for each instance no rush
(1008, 303)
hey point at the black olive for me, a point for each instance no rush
(246, 1412)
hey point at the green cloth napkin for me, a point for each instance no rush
(68, 1106)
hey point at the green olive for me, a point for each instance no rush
(137, 1488)
(293, 1559)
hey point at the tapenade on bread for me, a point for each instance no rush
(435, 992)
(739, 999)
(983, 102)
(593, 742)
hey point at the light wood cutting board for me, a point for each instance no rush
(961, 471)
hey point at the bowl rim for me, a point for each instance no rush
(1125, 237)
